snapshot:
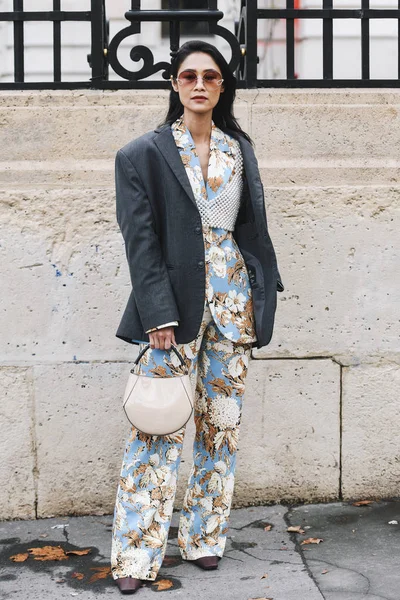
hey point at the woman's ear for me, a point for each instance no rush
(174, 85)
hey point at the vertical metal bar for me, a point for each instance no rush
(251, 44)
(365, 71)
(290, 49)
(57, 44)
(327, 42)
(106, 33)
(174, 31)
(19, 66)
(398, 45)
(97, 46)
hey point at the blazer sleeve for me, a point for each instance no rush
(151, 284)
(280, 286)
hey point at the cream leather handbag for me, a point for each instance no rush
(158, 405)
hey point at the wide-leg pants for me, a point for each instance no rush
(147, 486)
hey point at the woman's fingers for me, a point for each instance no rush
(163, 338)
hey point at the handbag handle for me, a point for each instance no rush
(178, 354)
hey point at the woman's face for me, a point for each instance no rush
(198, 63)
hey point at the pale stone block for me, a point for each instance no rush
(74, 132)
(338, 257)
(371, 435)
(66, 277)
(81, 432)
(312, 130)
(289, 446)
(17, 444)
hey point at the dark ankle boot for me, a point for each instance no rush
(129, 585)
(207, 562)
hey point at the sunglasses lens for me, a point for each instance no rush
(210, 79)
(187, 78)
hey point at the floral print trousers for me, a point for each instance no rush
(147, 486)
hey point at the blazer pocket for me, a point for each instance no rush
(254, 269)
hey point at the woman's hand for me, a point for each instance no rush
(162, 338)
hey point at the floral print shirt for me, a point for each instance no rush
(228, 288)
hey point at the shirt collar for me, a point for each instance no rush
(183, 137)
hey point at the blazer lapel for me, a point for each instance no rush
(252, 176)
(166, 144)
(220, 163)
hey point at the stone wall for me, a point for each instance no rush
(321, 409)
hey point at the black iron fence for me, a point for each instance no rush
(103, 57)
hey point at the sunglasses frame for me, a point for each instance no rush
(219, 83)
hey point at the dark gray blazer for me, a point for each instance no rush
(161, 226)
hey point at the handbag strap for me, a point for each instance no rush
(178, 354)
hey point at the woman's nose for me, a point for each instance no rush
(201, 84)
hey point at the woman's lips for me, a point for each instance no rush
(199, 99)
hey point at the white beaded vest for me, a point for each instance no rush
(222, 210)
(218, 199)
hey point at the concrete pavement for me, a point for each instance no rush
(357, 559)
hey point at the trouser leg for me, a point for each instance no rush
(222, 370)
(147, 486)
(144, 504)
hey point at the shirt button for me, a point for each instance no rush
(200, 264)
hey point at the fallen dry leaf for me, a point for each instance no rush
(362, 502)
(19, 557)
(79, 552)
(312, 541)
(76, 575)
(101, 573)
(44, 535)
(264, 576)
(324, 571)
(296, 529)
(60, 580)
(268, 528)
(48, 553)
(163, 584)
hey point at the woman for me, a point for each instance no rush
(204, 276)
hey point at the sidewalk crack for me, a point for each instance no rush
(298, 549)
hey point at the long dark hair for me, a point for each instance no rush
(223, 111)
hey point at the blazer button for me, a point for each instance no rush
(200, 264)
(197, 229)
